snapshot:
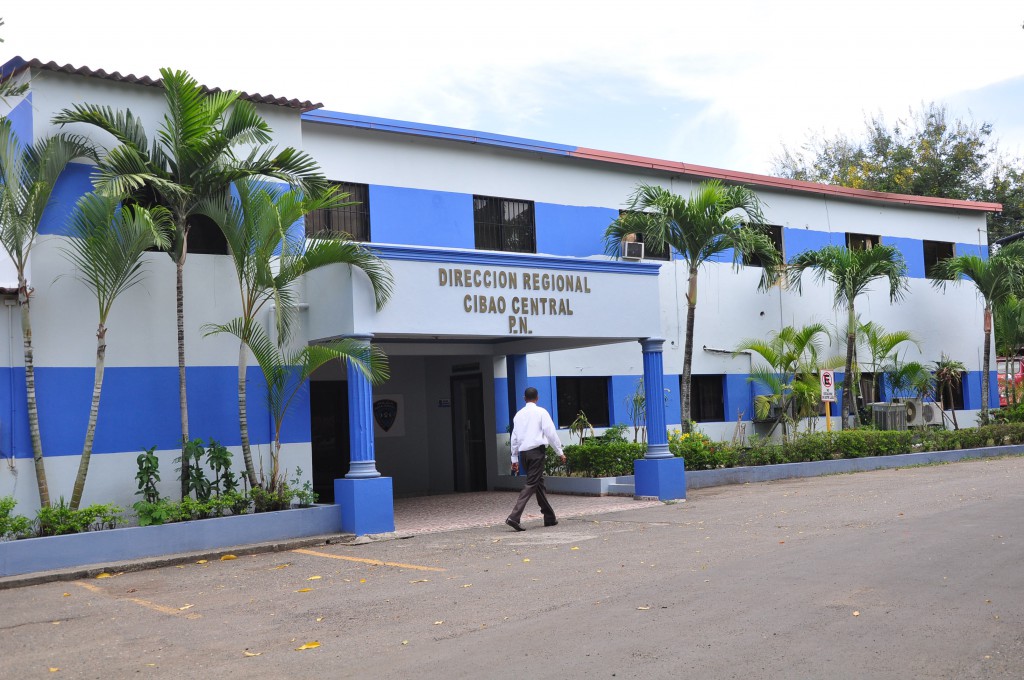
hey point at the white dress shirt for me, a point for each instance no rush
(533, 427)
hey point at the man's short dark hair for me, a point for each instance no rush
(530, 394)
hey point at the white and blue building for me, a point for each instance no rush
(501, 281)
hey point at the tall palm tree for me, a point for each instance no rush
(199, 150)
(106, 249)
(789, 372)
(269, 256)
(851, 272)
(995, 280)
(714, 219)
(28, 175)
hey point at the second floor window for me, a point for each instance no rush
(773, 232)
(862, 241)
(504, 224)
(934, 253)
(353, 220)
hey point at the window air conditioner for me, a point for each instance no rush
(631, 250)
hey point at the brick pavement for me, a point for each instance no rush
(432, 514)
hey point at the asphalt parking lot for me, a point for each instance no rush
(910, 573)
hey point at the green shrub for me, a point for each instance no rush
(12, 526)
(60, 519)
(597, 457)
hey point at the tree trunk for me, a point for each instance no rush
(243, 414)
(94, 411)
(182, 394)
(684, 381)
(30, 395)
(987, 357)
(849, 407)
(952, 405)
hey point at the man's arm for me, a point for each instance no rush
(515, 443)
(551, 434)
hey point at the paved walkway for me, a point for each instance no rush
(432, 514)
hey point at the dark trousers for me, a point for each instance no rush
(533, 461)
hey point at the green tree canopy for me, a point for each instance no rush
(928, 153)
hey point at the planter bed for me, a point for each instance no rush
(116, 545)
(699, 479)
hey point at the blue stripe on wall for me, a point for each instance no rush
(912, 250)
(796, 241)
(970, 249)
(139, 409)
(21, 120)
(72, 185)
(572, 230)
(421, 218)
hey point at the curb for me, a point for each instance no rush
(93, 570)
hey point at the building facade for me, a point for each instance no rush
(501, 280)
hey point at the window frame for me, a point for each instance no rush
(936, 256)
(777, 241)
(663, 256)
(337, 220)
(858, 241)
(499, 221)
(565, 385)
(696, 403)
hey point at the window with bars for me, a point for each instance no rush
(589, 395)
(774, 232)
(504, 224)
(353, 220)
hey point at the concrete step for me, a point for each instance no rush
(620, 489)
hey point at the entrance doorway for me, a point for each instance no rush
(328, 415)
(468, 433)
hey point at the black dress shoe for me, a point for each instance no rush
(514, 524)
(550, 522)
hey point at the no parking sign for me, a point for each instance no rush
(828, 386)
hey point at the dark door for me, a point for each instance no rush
(328, 415)
(468, 434)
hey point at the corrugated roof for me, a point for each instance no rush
(18, 64)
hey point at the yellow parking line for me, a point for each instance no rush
(163, 609)
(367, 561)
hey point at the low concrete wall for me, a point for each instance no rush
(115, 545)
(699, 479)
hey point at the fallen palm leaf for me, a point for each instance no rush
(420, 580)
(643, 609)
(314, 578)
(225, 558)
(201, 561)
(252, 653)
(308, 645)
(104, 575)
(304, 590)
(188, 606)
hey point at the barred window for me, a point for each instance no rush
(353, 220)
(589, 395)
(504, 224)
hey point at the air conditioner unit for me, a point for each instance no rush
(631, 250)
(886, 416)
(921, 413)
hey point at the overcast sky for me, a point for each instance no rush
(719, 82)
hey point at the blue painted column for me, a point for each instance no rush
(366, 499)
(515, 368)
(360, 425)
(658, 474)
(654, 399)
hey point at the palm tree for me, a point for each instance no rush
(28, 175)
(1009, 328)
(881, 347)
(269, 257)
(947, 373)
(287, 372)
(192, 159)
(106, 249)
(995, 280)
(714, 219)
(789, 372)
(851, 272)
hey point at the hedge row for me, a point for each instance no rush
(605, 458)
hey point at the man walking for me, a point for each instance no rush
(532, 431)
